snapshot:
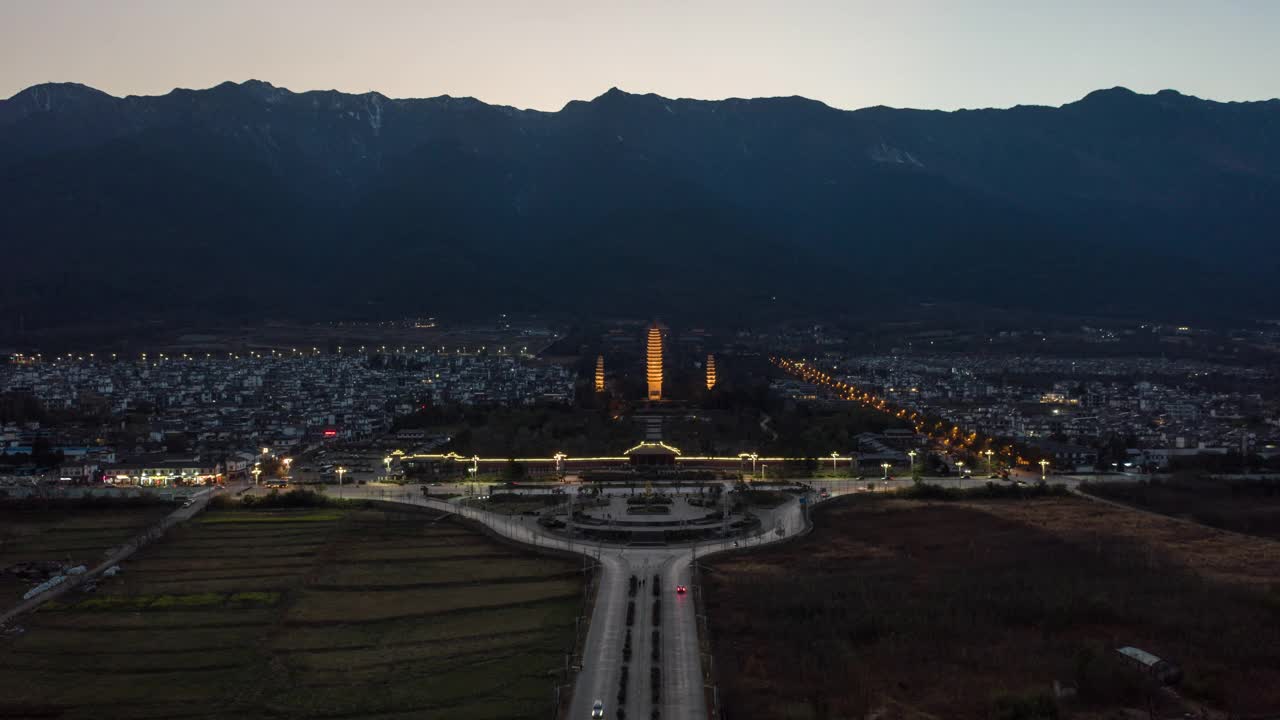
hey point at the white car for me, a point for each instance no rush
(597, 710)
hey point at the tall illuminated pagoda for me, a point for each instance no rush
(711, 371)
(653, 362)
(599, 373)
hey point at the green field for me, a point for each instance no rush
(304, 613)
(73, 536)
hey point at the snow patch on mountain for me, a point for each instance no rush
(373, 106)
(885, 153)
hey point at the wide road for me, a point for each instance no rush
(682, 689)
(682, 693)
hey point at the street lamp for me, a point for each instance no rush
(912, 454)
(834, 456)
(886, 467)
(286, 462)
(257, 470)
(960, 470)
(340, 471)
(753, 462)
(386, 462)
(1044, 469)
(990, 466)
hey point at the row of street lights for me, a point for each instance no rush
(257, 466)
(835, 456)
(812, 374)
(911, 454)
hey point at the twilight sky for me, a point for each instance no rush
(542, 53)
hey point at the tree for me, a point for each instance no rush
(514, 470)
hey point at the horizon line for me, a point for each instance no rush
(614, 89)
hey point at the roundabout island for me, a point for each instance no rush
(680, 514)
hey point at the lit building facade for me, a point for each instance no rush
(711, 371)
(653, 362)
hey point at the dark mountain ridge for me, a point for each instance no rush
(248, 199)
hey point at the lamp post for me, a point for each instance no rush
(257, 470)
(960, 471)
(560, 463)
(912, 454)
(287, 462)
(991, 470)
(886, 467)
(1044, 469)
(834, 456)
(386, 462)
(340, 471)
(754, 456)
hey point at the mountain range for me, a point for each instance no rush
(249, 200)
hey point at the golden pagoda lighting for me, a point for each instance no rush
(711, 372)
(653, 362)
(600, 373)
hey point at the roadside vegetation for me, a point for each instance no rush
(328, 611)
(761, 498)
(297, 498)
(986, 491)
(519, 504)
(975, 608)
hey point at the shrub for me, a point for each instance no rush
(989, 491)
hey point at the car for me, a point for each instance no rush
(597, 709)
(680, 589)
